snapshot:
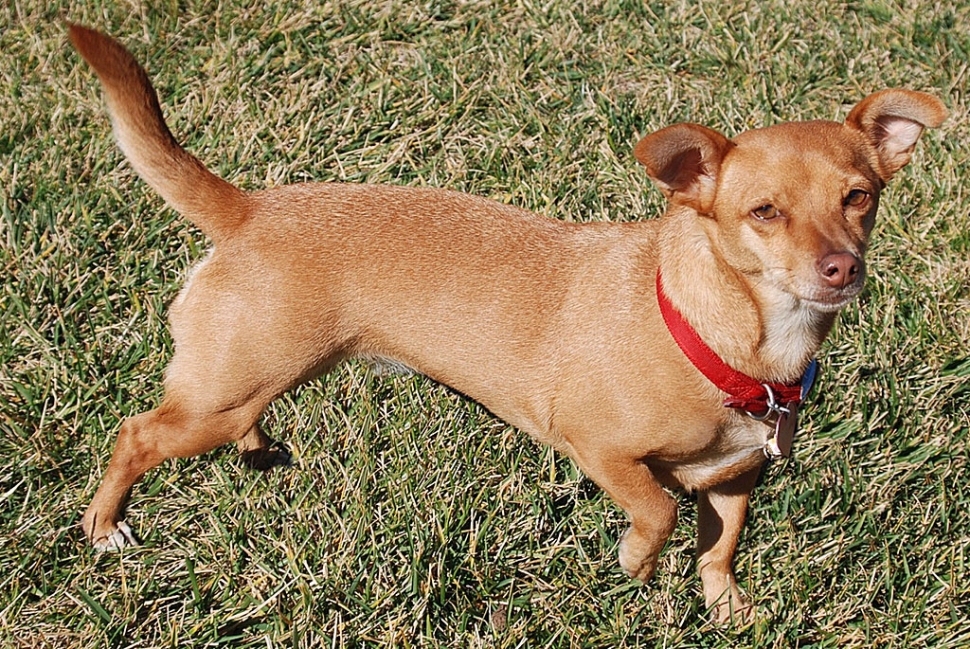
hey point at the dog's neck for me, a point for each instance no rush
(754, 327)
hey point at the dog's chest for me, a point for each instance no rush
(736, 447)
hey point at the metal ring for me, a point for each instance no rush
(759, 417)
(773, 405)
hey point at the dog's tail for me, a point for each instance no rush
(215, 206)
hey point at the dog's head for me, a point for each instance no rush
(792, 205)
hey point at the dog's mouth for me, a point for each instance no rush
(828, 300)
(819, 297)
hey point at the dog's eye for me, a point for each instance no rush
(766, 212)
(856, 198)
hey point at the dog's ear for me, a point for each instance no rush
(684, 160)
(892, 121)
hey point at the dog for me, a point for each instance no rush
(664, 354)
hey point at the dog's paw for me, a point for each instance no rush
(119, 538)
(729, 605)
(264, 459)
(636, 557)
(738, 612)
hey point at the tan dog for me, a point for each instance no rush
(554, 327)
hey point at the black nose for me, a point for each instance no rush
(840, 269)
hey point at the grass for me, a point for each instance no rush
(413, 518)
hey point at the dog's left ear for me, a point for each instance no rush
(892, 121)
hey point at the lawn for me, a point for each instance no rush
(413, 518)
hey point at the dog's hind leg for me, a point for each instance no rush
(145, 441)
(223, 375)
(260, 451)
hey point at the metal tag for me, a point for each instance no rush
(779, 444)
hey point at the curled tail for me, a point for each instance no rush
(215, 206)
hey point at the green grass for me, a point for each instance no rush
(413, 518)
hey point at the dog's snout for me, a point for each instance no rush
(840, 269)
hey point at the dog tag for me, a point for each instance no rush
(779, 445)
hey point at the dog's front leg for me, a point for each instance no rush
(651, 510)
(720, 516)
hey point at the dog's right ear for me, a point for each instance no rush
(684, 160)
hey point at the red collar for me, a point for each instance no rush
(754, 397)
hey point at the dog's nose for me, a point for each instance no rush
(840, 269)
